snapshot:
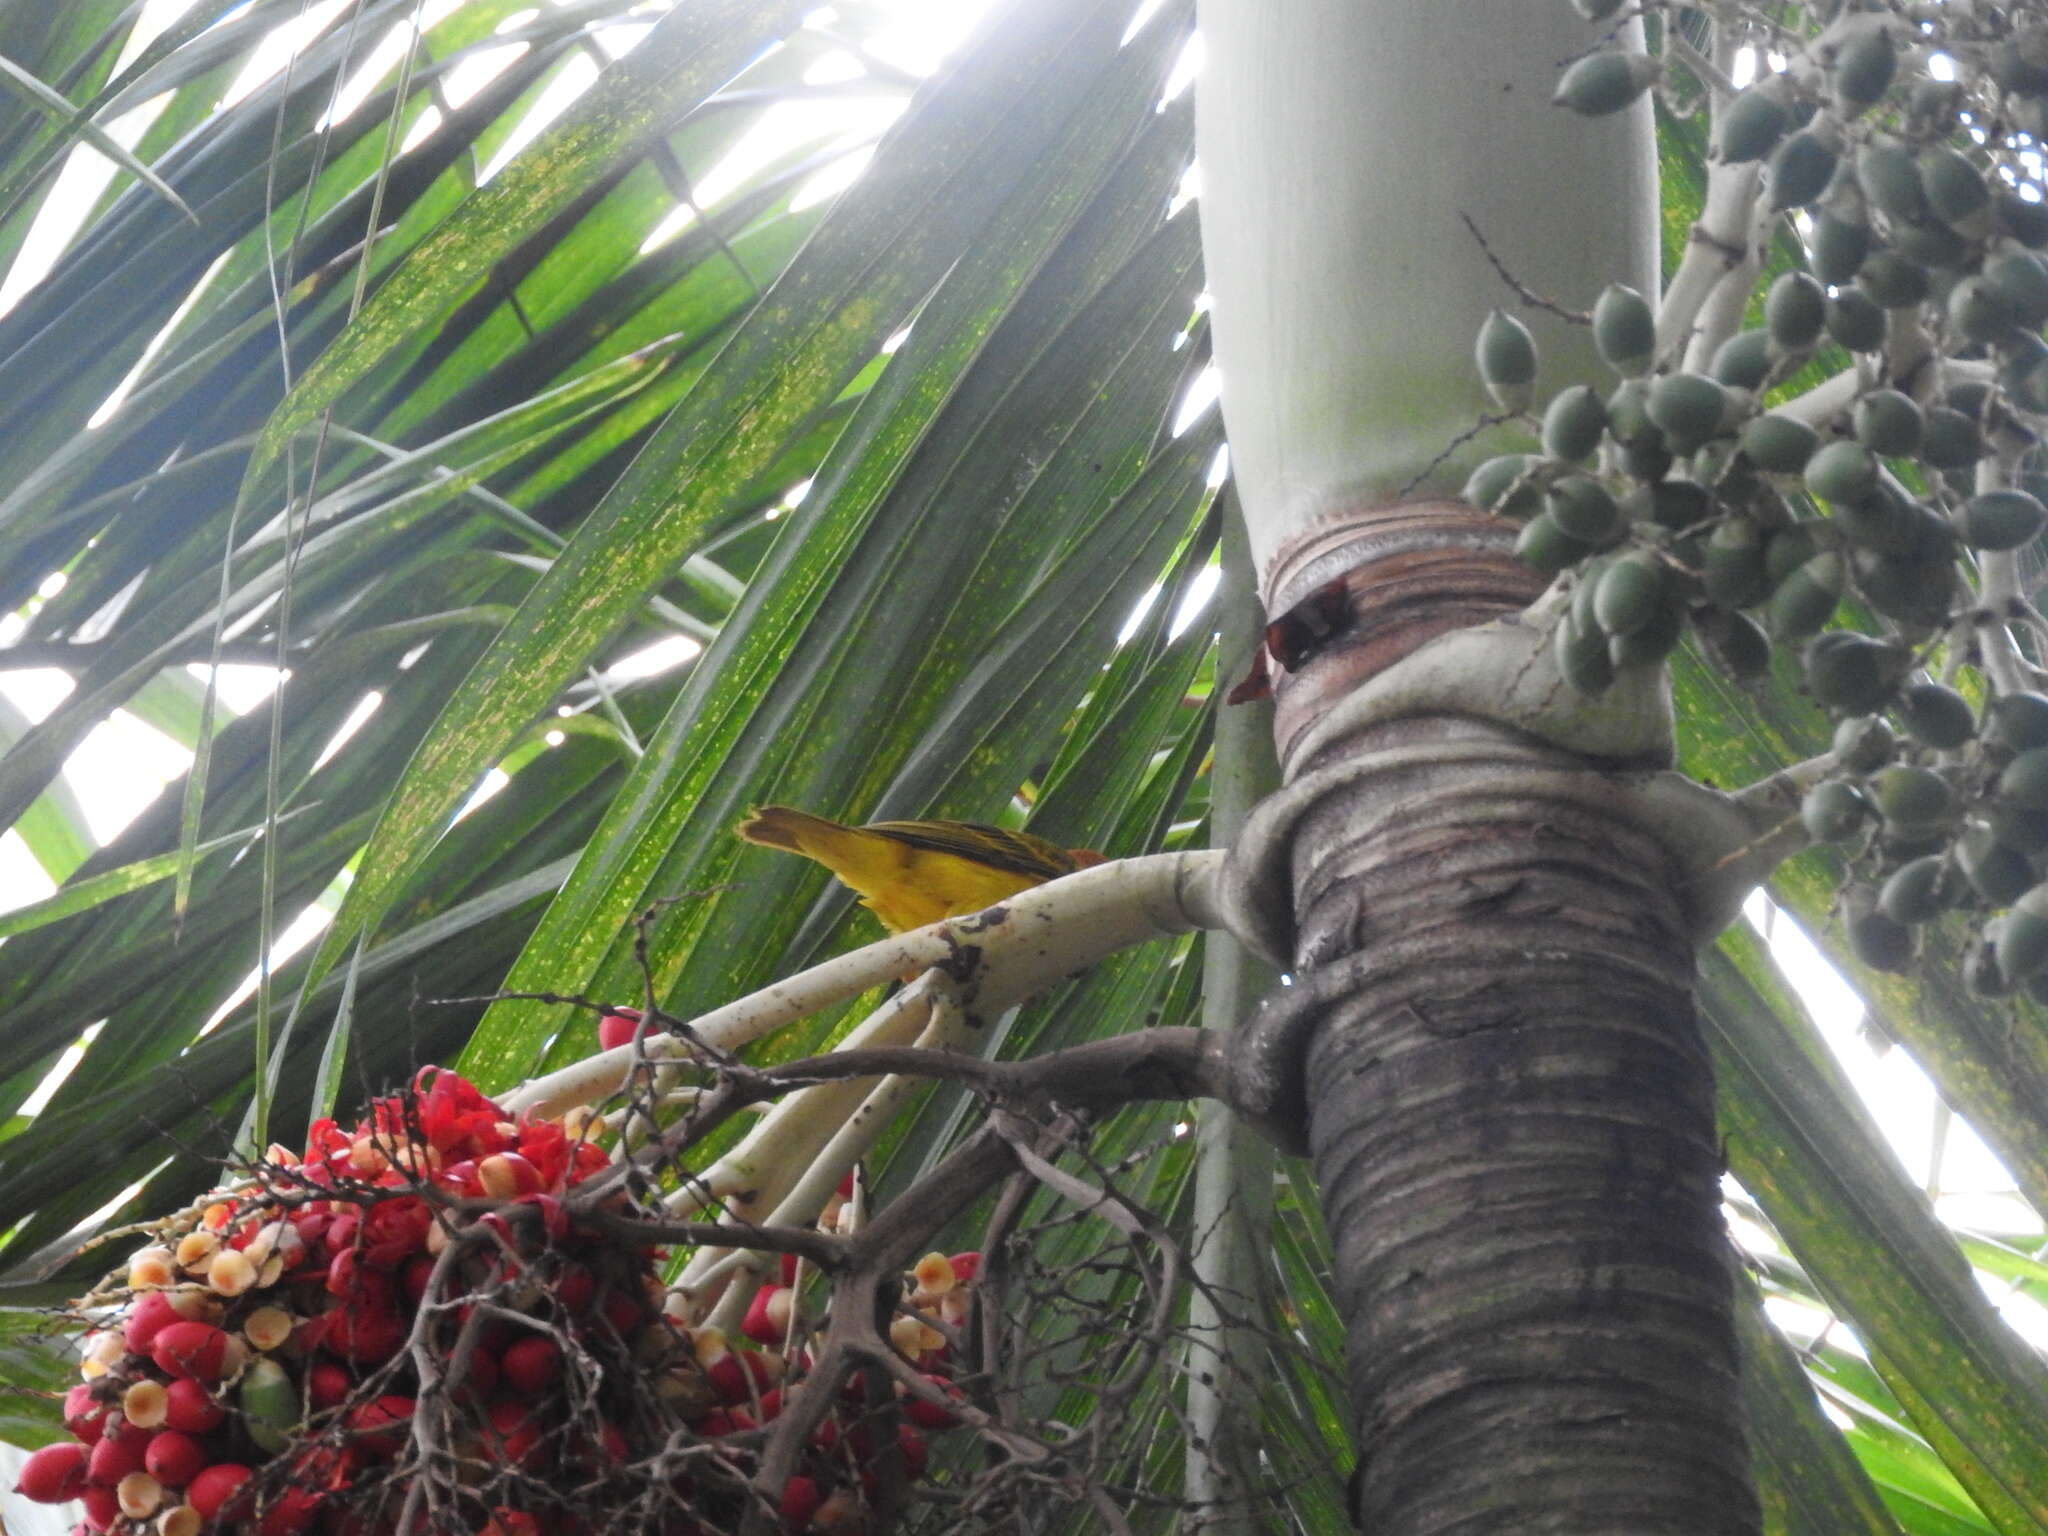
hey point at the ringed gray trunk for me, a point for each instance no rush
(1491, 1030)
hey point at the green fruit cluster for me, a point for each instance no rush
(1848, 537)
(1943, 807)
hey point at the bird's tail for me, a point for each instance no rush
(785, 827)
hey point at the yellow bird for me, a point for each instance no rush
(910, 873)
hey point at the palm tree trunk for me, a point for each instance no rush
(1491, 1020)
(1511, 1117)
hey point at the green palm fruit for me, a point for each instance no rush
(1672, 504)
(2017, 721)
(1585, 587)
(1837, 248)
(1778, 444)
(1936, 716)
(1648, 458)
(1999, 520)
(1978, 311)
(1916, 892)
(1582, 658)
(1625, 330)
(1505, 485)
(1863, 71)
(1573, 423)
(1689, 408)
(1877, 522)
(1795, 309)
(1606, 82)
(1863, 743)
(1997, 871)
(1751, 125)
(1788, 549)
(1743, 361)
(1833, 811)
(1890, 178)
(2022, 942)
(2024, 781)
(269, 1404)
(2023, 370)
(1805, 600)
(1904, 589)
(1891, 282)
(1842, 471)
(1980, 968)
(2021, 279)
(2025, 219)
(1733, 569)
(1651, 642)
(1631, 593)
(1956, 190)
(1889, 423)
(1628, 413)
(1930, 245)
(1855, 321)
(1548, 548)
(1800, 169)
(1583, 508)
(1949, 439)
(1506, 354)
(1596, 10)
(2018, 827)
(1911, 798)
(1737, 642)
(1875, 939)
(1849, 673)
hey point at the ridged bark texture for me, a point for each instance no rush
(1512, 1123)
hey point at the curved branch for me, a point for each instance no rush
(1001, 956)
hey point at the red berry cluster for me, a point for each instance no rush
(256, 1370)
(750, 1379)
(275, 1349)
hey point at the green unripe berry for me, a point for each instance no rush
(1800, 169)
(1506, 354)
(1573, 423)
(1795, 309)
(1751, 125)
(1602, 83)
(1624, 330)
(1855, 321)
(1888, 423)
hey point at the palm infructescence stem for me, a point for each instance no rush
(1492, 1021)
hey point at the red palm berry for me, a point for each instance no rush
(379, 1425)
(174, 1458)
(190, 1408)
(215, 1490)
(617, 1029)
(148, 1315)
(531, 1365)
(116, 1456)
(84, 1414)
(915, 1451)
(198, 1351)
(328, 1385)
(102, 1506)
(289, 1512)
(55, 1474)
(513, 1436)
(768, 1315)
(800, 1500)
(929, 1415)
